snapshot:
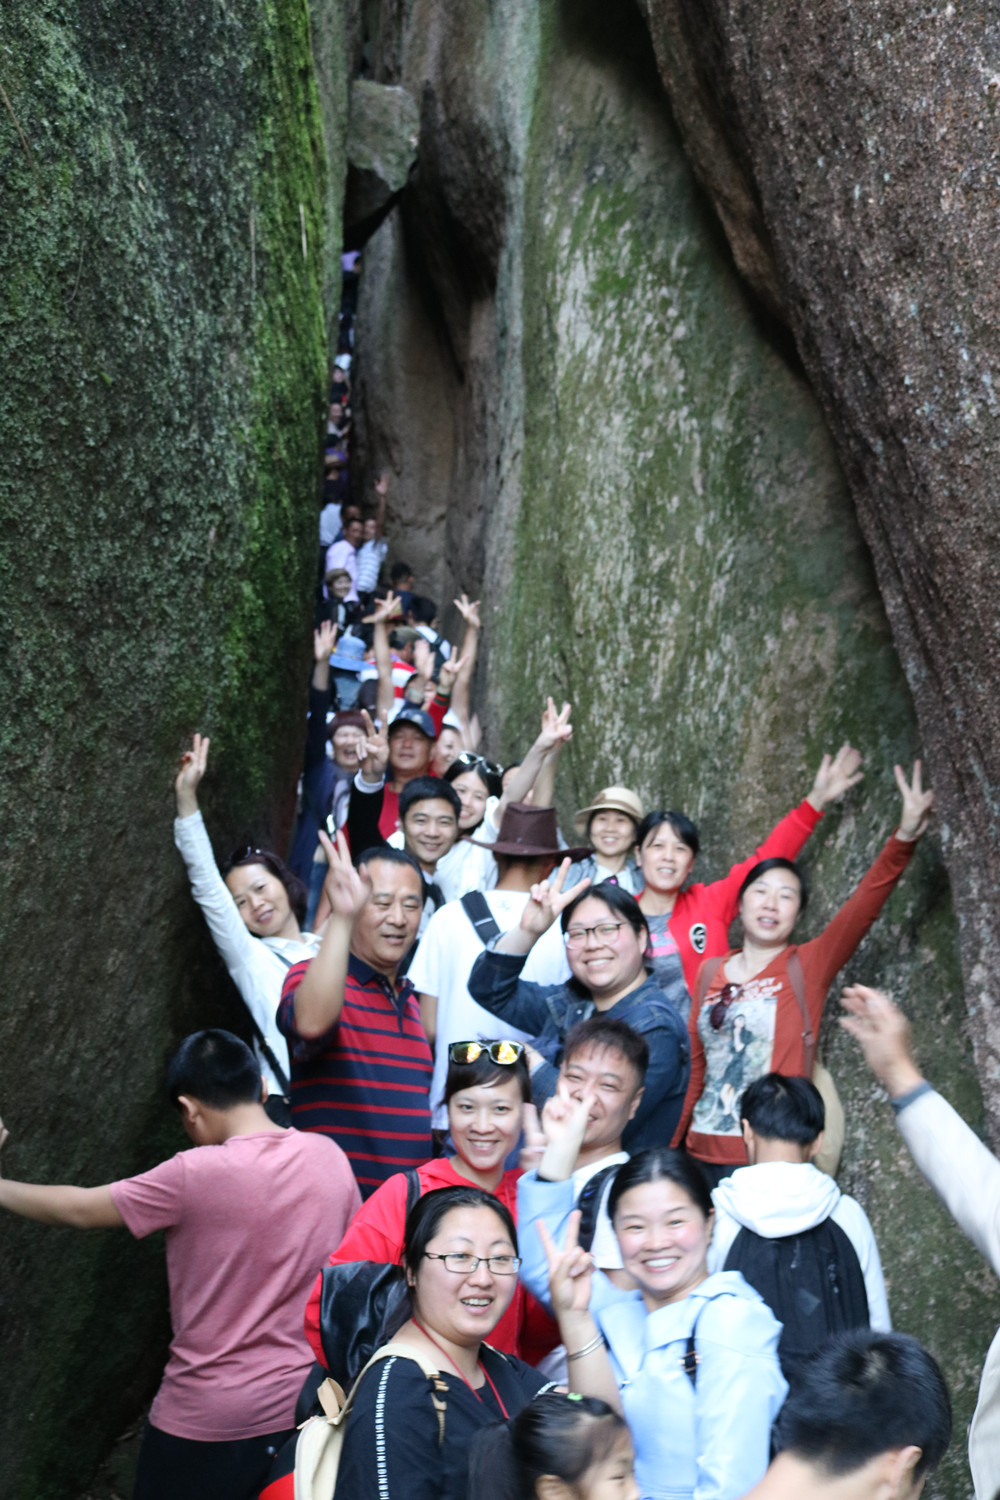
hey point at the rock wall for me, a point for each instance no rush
(167, 228)
(598, 417)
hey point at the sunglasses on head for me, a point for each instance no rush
(504, 1053)
(469, 760)
(239, 855)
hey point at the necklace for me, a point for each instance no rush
(486, 1374)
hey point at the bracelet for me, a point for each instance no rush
(598, 1343)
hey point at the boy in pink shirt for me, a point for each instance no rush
(250, 1216)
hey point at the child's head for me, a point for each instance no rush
(338, 581)
(557, 1448)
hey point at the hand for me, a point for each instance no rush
(386, 609)
(472, 733)
(556, 728)
(324, 640)
(835, 777)
(373, 750)
(449, 672)
(5, 1135)
(346, 888)
(564, 1119)
(532, 1139)
(382, 483)
(571, 1270)
(192, 769)
(547, 900)
(469, 612)
(917, 804)
(422, 657)
(885, 1037)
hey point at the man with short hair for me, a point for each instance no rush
(429, 810)
(250, 1215)
(361, 1065)
(869, 1420)
(813, 1231)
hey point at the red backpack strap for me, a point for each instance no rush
(798, 980)
(706, 974)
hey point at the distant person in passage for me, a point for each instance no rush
(870, 1420)
(786, 1226)
(249, 1216)
(961, 1170)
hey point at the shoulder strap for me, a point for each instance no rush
(706, 974)
(394, 1350)
(589, 1202)
(414, 1188)
(266, 1052)
(691, 1359)
(798, 980)
(477, 909)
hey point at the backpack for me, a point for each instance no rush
(812, 1282)
(589, 1202)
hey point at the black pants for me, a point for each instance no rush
(173, 1468)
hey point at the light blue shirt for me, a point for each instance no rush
(708, 1441)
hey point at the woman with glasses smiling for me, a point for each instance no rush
(407, 1438)
(606, 941)
(485, 1092)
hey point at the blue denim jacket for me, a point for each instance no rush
(548, 1011)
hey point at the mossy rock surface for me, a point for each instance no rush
(166, 233)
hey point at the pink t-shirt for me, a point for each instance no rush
(248, 1226)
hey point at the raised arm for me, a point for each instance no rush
(319, 998)
(571, 1273)
(538, 769)
(385, 610)
(78, 1208)
(324, 641)
(545, 903)
(462, 689)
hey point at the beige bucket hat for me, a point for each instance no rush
(612, 799)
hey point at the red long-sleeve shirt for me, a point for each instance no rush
(763, 1029)
(703, 914)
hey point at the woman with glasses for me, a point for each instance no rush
(254, 910)
(606, 940)
(487, 1086)
(757, 1009)
(407, 1437)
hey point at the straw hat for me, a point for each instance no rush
(612, 799)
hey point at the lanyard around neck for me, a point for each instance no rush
(486, 1374)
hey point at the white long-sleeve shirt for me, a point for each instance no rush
(256, 965)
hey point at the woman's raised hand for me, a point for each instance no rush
(571, 1269)
(449, 673)
(193, 763)
(556, 728)
(917, 804)
(836, 775)
(324, 640)
(346, 888)
(547, 900)
(469, 611)
(373, 750)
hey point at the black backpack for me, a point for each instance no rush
(589, 1202)
(812, 1282)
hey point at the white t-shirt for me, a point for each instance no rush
(443, 962)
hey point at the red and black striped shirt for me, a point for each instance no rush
(366, 1081)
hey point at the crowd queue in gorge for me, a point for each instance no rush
(526, 1188)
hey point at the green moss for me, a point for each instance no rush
(164, 345)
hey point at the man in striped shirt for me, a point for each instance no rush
(361, 1064)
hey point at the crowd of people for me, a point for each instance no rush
(526, 1187)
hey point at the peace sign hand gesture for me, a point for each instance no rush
(547, 900)
(373, 750)
(346, 888)
(556, 728)
(193, 763)
(917, 804)
(571, 1270)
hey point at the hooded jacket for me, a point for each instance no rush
(778, 1198)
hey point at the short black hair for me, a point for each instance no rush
(423, 609)
(863, 1393)
(661, 1164)
(389, 856)
(426, 1214)
(215, 1068)
(298, 895)
(400, 570)
(682, 825)
(779, 1108)
(600, 1033)
(616, 898)
(423, 789)
(776, 862)
(469, 1075)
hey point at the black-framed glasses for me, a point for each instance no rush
(469, 761)
(460, 1264)
(727, 995)
(605, 932)
(504, 1053)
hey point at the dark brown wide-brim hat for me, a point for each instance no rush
(528, 832)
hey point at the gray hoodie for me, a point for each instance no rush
(776, 1198)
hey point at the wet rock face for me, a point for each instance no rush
(163, 350)
(624, 451)
(860, 144)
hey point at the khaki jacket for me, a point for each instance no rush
(966, 1177)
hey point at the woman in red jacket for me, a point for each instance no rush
(486, 1086)
(696, 920)
(758, 1008)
